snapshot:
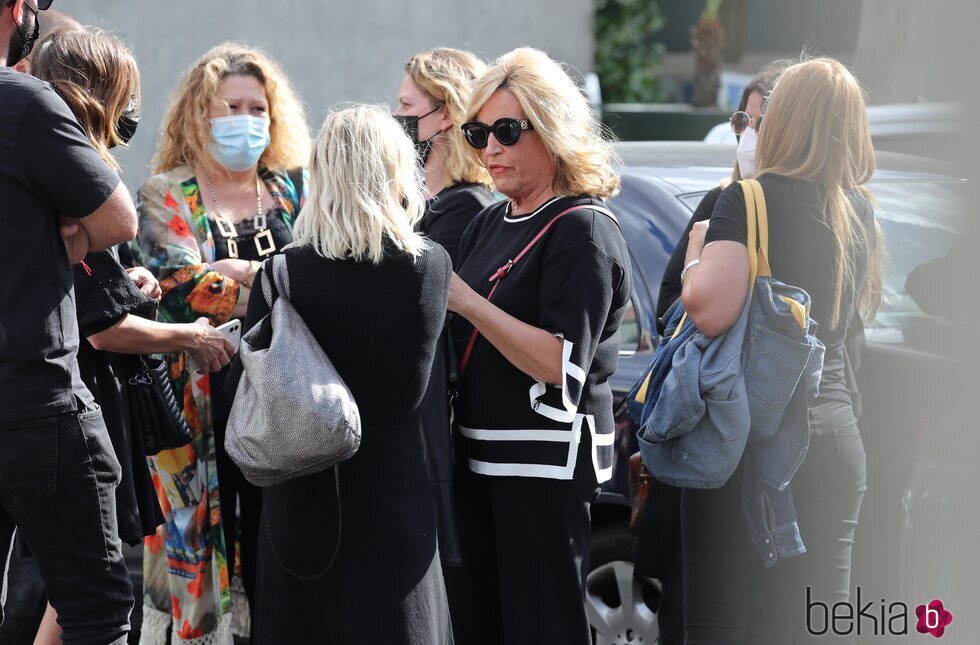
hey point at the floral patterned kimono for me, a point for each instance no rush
(185, 567)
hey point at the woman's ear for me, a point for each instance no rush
(445, 121)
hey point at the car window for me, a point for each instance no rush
(629, 330)
(920, 221)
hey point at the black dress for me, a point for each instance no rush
(379, 325)
(446, 217)
(104, 293)
(449, 213)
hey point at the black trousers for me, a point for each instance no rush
(658, 555)
(729, 597)
(58, 477)
(525, 559)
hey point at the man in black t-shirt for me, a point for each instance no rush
(58, 201)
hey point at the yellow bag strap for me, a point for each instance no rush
(751, 223)
(757, 224)
(759, 262)
(763, 218)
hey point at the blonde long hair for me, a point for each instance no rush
(96, 75)
(816, 128)
(364, 188)
(187, 129)
(446, 76)
(560, 115)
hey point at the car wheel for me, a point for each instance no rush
(621, 608)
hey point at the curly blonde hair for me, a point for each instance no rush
(187, 129)
(96, 76)
(560, 115)
(446, 76)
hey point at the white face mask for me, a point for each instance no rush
(746, 152)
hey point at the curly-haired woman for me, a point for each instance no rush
(221, 203)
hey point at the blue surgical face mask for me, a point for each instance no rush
(239, 141)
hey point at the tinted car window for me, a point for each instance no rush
(920, 220)
(629, 330)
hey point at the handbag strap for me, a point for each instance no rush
(498, 276)
(274, 272)
(757, 224)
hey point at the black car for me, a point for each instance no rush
(919, 206)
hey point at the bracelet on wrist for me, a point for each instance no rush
(687, 267)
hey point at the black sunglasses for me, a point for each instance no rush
(506, 130)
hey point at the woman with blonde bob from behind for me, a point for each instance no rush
(814, 158)
(349, 555)
(543, 283)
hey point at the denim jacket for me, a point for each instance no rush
(712, 402)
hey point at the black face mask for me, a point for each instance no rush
(411, 126)
(128, 121)
(22, 42)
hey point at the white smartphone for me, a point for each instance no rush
(232, 330)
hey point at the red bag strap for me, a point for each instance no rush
(497, 276)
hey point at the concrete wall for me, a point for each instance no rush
(333, 51)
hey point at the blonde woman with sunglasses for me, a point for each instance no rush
(534, 406)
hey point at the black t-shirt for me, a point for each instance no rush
(670, 285)
(803, 252)
(449, 213)
(47, 169)
(574, 283)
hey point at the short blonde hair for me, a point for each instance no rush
(816, 128)
(96, 75)
(187, 129)
(560, 115)
(364, 188)
(446, 76)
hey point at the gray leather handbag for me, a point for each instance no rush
(293, 415)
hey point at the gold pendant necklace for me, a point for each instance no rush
(264, 243)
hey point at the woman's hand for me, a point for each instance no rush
(209, 348)
(460, 295)
(695, 240)
(146, 282)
